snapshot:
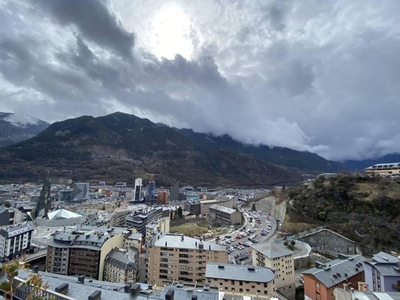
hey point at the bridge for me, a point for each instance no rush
(35, 256)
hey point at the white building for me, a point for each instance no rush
(15, 240)
(137, 193)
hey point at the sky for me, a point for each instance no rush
(312, 75)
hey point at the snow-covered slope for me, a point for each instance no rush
(15, 128)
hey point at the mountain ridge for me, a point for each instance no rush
(121, 146)
(15, 128)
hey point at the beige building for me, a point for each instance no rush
(133, 239)
(205, 204)
(280, 259)
(83, 251)
(248, 280)
(386, 169)
(121, 265)
(224, 215)
(160, 225)
(118, 218)
(181, 258)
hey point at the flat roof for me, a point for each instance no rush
(338, 270)
(183, 242)
(384, 165)
(239, 272)
(109, 290)
(272, 249)
(223, 209)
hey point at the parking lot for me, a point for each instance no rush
(260, 226)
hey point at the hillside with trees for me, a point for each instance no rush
(364, 209)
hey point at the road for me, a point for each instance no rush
(243, 256)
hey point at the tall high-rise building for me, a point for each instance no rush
(162, 197)
(44, 203)
(174, 194)
(137, 196)
(151, 191)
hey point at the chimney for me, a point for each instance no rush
(182, 237)
(194, 297)
(62, 288)
(169, 295)
(81, 279)
(165, 243)
(135, 289)
(127, 288)
(319, 265)
(96, 295)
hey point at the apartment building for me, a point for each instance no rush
(280, 259)
(224, 215)
(162, 197)
(181, 258)
(118, 218)
(160, 225)
(321, 281)
(249, 280)
(140, 218)
(205, 204)
(193, 206)
(121, 265)
(15, 240)
(383, 273)
(385, 169)
(83, 251)
(133, 239)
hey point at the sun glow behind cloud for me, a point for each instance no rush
(169, 35)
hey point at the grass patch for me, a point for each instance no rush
(189, 229)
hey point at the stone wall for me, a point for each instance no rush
(329, 243)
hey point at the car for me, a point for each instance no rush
(240, 243)
(249, 250)
(301, 280)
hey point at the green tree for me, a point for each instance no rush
(35, 281)
(180, 212)
(7, 204)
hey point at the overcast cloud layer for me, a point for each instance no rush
(321, 76)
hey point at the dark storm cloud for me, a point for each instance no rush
(94, 21)
(311, 76)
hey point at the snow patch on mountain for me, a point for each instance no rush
(21, 120)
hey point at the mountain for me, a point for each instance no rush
(359, 165)
(303, 161)
(121, 147)
(15, 128)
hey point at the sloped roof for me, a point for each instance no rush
(62, 214)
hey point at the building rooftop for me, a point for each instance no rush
(383, 257)
(272, 249)
(385, 165)
(90, 237)
(337, 270)
(76, 290)
(123, 258)
(345, 294)
(62, 214)
(388, 269)
(183, 242)
(17, 229)
(223, 209)
(134, 236)
(239, 272)
(181, 292)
